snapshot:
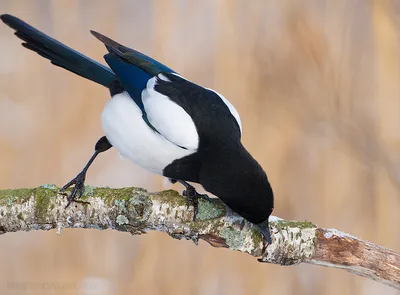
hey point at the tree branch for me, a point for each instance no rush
(136, 211)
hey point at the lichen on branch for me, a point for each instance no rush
(137, 211)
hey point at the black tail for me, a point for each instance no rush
(60, 54)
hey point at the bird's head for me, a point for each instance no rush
(241, 183)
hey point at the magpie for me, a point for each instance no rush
(166, 124)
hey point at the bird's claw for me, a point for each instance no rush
(77, 191)
(192, 197)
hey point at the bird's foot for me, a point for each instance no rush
(192, 197)
(77, 191)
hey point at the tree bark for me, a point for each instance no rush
(137, 211)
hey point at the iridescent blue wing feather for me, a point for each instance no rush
(133, 69)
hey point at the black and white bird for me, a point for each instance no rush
(165, 124)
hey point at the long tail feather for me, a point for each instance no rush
(58, 53)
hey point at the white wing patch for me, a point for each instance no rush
(231, 108)
(170, 119)
(126, 130)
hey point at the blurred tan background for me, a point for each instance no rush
(317, 84)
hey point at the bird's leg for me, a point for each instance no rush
(79, 181)
(192, 196)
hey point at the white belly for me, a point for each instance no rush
(125, 129)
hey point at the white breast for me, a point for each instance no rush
(125, 129)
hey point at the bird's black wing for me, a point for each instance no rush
(214, 117)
